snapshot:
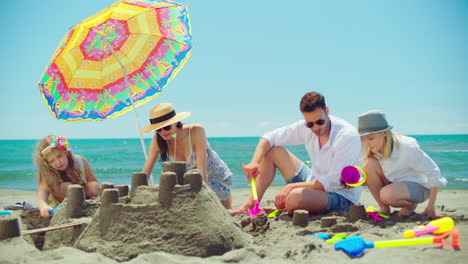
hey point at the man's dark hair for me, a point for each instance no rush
(311, 101)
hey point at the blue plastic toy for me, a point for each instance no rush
(55, 209)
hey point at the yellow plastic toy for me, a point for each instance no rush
(438, 226)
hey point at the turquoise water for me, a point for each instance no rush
(114, 160)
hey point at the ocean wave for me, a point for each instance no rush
(461, 180)
(455, 150)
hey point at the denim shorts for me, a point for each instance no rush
(301, 174)
(336, 202)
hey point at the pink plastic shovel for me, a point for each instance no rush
(255, 210)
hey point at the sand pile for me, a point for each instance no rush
(184, 220)
(273, 240)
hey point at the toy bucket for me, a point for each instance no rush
(353, 176)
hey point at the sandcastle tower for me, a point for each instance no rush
(180, 216)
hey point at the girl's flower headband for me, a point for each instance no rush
(59, 143)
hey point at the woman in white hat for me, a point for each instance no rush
(399, 173)
(191, 146)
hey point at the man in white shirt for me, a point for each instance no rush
(331, 143)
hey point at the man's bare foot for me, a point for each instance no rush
(407, 211)
(240, 210)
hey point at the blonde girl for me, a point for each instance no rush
(399, 173)
(58, 168)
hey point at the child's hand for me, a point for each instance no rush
(45, 211)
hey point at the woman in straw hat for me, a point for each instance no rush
(399, 173)
(191, 146)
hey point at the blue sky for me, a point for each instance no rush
(253, 60)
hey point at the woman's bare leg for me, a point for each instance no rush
(375, 181)
(398, 195)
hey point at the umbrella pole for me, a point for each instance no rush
(134, 109)
(143, 146)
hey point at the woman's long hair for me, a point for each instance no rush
(50, 177)
(387, 149)
(162, 144)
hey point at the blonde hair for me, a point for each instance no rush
(50, 177)
(387, 148)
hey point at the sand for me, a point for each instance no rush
(275, 240)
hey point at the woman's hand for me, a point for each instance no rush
(430, 211)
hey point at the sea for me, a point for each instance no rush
(114, 160)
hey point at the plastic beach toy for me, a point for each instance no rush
(20, 206)
(438, 226)
(255, 210)
(323, 236)
(356, 245)
(55, 209)
(335, 238)
(353, 176)
(274, 213)
(372, 212)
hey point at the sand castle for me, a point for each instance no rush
(184, 219)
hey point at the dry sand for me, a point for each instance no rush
(277, 241)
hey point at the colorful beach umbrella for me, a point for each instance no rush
(121, 57)
(116, 60)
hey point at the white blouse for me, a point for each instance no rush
(409, 163)
(342, 149)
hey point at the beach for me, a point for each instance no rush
(276, 241)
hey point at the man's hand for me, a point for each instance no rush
(280, 199)
(251, 170)
(344, 185)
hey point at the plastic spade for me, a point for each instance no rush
(274, 213)
(55, 209)
(372, 212)
(356, 245)
(335, 238)
(255, 210)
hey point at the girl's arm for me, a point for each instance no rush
(92, 187)
(42, 197)
(198, 138)
(90, 177)
(152, 157)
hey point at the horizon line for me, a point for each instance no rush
(5, 139)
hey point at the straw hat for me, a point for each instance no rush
(372, 122)
(163, 115)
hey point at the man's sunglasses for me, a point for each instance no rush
(319, 122)
(167, 128)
